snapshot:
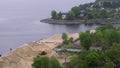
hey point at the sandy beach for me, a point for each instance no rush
(22, 57)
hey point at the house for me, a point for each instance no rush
(101, 2)
(93, 31)
(82, 13)
(64, 15)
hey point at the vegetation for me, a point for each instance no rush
(106, 37)
(56, 15)
(111, 3)
(86, 40)
(53, 14)
(70, 15)
(106, 57)
(65, 38)
(45, 62)
(95, 10)
(76, 11)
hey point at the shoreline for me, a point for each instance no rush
(22, 57)
(78, 22)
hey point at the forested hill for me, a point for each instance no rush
(97, 10)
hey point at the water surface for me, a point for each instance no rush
(20, 21)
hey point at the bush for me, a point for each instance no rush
(45, 62)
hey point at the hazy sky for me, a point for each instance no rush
(36, 7)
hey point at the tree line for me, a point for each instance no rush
(91, 11)
(107, 57)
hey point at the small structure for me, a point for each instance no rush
(82, 13)
(64, 15)
(93, 31)
(101, 2)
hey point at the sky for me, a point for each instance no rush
(9, 8)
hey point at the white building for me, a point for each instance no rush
(64, 15)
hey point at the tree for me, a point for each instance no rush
(53, 14)
(104, 14)
(114, 54)
(111, 36)
(109, 25)
(70, 15)
(65, 38)
(86, 40)
(59, 15)
(92, 59)
(90, 15)
(45, 62)
(55, 63)
(76, 11)
(98, 36)
(41, 62)
(104, 27)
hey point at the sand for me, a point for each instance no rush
(22, 57)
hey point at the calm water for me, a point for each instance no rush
(19, 21)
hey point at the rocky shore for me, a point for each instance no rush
(22, 57)
(75, 22)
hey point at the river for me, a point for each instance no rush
(20, 21)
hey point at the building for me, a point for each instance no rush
(64, 15)
(82, 13)
(93, 31)
(101, 2)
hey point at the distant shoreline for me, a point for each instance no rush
(76, 22)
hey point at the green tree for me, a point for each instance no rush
(53, 14)
(65, 38)
(98, 37)
(45, 62)
(104, 14)
(104, 27)
(93, 59)
(109, 25)
(41, 62)
(86, 40)
(76, 11)
(113, 53)
(55, 63)
(59, 15)
(89, 15)
(70, 15)
(111, 36)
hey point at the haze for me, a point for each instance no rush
(36, 8)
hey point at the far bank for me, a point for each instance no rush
(76, 22)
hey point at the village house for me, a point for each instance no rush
(82, 14)
(93, 31)
(64, 15)
(101, 2)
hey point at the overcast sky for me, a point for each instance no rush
(34, 7)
